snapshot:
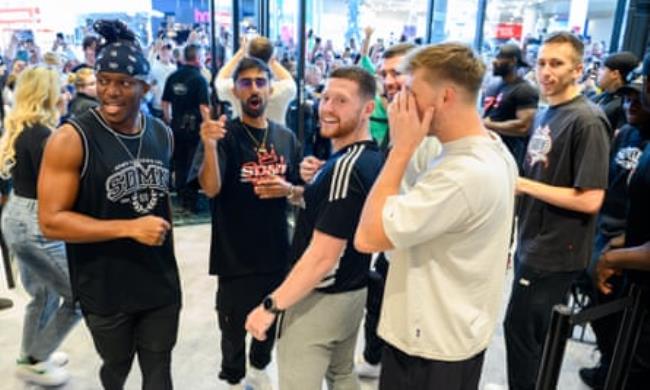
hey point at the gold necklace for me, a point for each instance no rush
(260, 147)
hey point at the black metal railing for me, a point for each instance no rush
(561, 328)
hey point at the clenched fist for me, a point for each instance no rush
(149, 230)
(308, 168)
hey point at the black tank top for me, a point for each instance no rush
(123, 276)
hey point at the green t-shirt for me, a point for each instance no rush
(379, 117)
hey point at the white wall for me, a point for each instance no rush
(600, 29)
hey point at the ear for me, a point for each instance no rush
(580, 68)
(369, 108)
(146, 87)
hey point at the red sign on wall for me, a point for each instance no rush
(509, 31)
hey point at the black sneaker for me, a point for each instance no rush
(594, 377)
(5, 303)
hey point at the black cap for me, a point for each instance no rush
(624, 62)
(635, 85)
(512, 51)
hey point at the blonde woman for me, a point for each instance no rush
(43, 265)
(85, 97)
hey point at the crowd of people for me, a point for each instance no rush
(409, 203)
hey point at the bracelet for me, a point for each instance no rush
(292, 190)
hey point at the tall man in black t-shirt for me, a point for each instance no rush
(325, 292)
(248, 166)
(185, 97)
(562, 189)
(509, 106)
(104, 189)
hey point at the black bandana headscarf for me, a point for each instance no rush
(119, 50)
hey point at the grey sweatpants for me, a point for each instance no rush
(317, 341)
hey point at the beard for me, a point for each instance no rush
(343, 128)
(502, 70)
(254, 106)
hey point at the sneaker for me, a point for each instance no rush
(367, 370)
(42, 373)
(258, 379)
(5, 303)
(58, 359)
(594, 377)
(494, 386)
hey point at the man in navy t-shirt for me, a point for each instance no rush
(325, 293)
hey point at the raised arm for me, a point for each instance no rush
(210, 173)
(279, 71)
(229, 67)
(58, 188)
(365, 46)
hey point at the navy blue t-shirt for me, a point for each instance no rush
(334, 200)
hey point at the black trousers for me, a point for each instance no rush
(400, 371)
(376, 282)
(185, 145)
(236, 297)
(639, 375)
(534, 293)
(150, 334)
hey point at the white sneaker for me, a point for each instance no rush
(367, 370)
(43, 373)
(494, 386)
(258, 379)
(59, 359)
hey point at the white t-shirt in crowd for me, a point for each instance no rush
(160, 72)
(283, 93)
(451, 230)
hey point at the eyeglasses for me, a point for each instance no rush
(260, 82)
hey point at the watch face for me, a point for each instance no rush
(268, 303)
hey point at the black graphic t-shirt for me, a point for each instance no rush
(123, 177)
(186, 89)
(627, 148)
(501, 103)
(250, 235)
(334, 201)
(569, 147)
(638, 229)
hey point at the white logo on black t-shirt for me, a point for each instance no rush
(628, 158)
(179, 89)
(539, 146)
(141, 183)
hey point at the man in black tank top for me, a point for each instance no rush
(105, 191)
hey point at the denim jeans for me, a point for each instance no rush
(43, 266)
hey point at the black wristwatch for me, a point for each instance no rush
(269, 305)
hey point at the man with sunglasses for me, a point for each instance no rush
(184, 97)
(248, 165)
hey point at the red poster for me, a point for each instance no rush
(508, 30)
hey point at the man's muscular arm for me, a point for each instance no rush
(58, 187)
